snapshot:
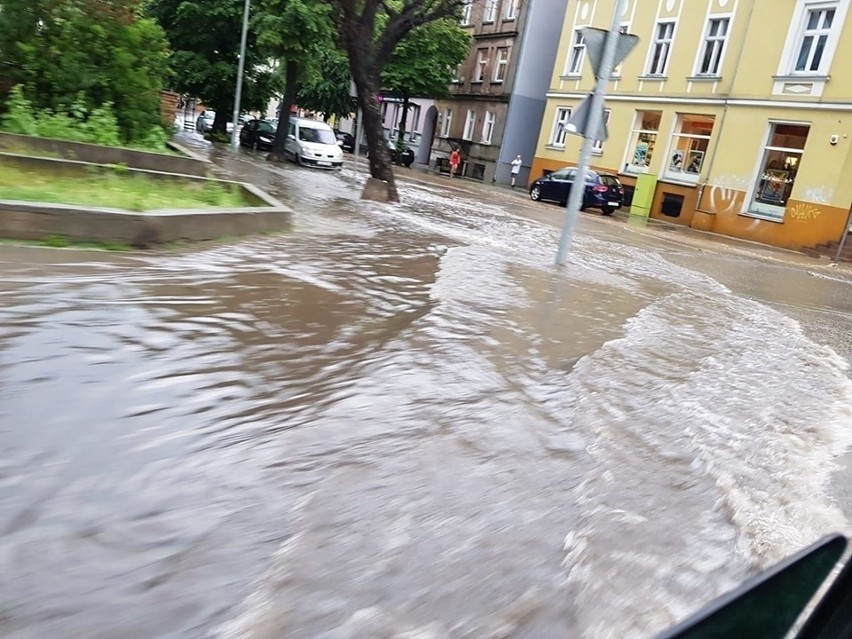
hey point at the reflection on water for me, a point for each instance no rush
(397, 419)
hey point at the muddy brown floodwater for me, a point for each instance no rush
(403, 421)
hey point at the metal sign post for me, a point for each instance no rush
(238, 95)
(846, 231)
(604, 53)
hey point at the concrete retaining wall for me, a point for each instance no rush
(253, 195)
(37, 221)
(187, 164)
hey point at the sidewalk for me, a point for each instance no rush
(685, 235)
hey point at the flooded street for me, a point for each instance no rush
(403, 421)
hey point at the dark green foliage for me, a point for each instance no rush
(328, 91)
(205, 40)
(85, 54)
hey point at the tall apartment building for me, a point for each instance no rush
(730, 115)
(497, 102)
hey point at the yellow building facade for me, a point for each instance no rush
(737, 112)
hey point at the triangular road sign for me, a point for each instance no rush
(580, 123)
(594, 39)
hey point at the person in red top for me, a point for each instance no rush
(455, 160)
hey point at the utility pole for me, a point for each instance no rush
(843, 237)
(238, 94)
(589, 116)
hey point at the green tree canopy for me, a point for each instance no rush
(370, 31)
(205, 39)
(88, 52)
(295, 33)
(327, 91)
(424, 62)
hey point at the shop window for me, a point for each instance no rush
(643, 140)
(689, 147)
(782, 157)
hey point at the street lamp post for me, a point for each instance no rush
(238, 94)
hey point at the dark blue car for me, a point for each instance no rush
(603, 191)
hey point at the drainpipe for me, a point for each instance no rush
(700, 193)
(843, 238)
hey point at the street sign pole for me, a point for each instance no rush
(238, 95)
(846, 230)
(595, 119)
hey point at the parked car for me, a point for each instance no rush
(204, 122)
(404, 156)
(313, 143)
(258, 134)
(603, 191)
(345, 140)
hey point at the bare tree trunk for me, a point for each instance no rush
(220, 122)
(403, 120)
(291, 77)
(378, 156)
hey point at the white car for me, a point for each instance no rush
(313, 143)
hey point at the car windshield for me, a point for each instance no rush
(320, 136)
(609, 180)
(266, 127)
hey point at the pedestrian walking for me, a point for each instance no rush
(455, 160)
(516, 168)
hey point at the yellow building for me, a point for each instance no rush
(737, 111)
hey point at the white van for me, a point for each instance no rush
(313, 143)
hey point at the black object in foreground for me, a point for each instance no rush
(769, 605)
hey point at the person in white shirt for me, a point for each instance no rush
(516, 168)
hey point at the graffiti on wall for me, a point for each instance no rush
(723, 192)
(818, 194)
(804, 212)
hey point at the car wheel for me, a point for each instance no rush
(535, 194)
(607, 210)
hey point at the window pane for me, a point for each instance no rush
(820, 47)
(804, 53)
(813, 19)
(789, 136)
(829, 18)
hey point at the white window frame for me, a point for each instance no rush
(761, 210)
(574, 63)
(488, 123)
(718, 44)
(502, 65)
(663, 43)
(623, 28)
(597, 145)
(511, 9)
(467, 12)
(795, 36)
(559, 132)
(490, 13)
(481, 63)
(447, 123)
(683, 174)
(469, 125)
(633, 142)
